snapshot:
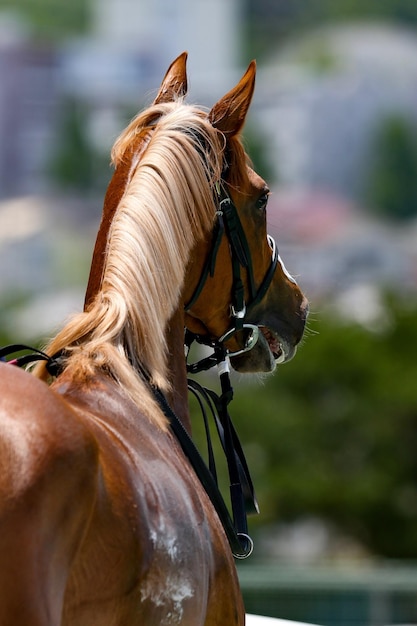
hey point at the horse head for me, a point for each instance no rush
(236, 282)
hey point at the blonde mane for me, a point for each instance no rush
(167, 206)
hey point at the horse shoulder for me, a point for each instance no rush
(153, 514)
(48, 464)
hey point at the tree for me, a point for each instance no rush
(51, 20)
(393, 181)
(271, 22)
(333, 434)
(76, 164)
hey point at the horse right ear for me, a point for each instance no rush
(229, 113)
(174, 85)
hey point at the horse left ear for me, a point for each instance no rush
(229, 113)
(174, 85)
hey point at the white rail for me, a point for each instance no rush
(259, 620)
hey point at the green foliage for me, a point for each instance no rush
(404, 11)
(273, 21)
(334, 433)
(256, 146)
(50, 20)
(10, 303)
(73, 163)
(76, 164)
(393, 181)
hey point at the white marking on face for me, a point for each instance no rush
(286, 272)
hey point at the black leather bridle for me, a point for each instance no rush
(228, 223)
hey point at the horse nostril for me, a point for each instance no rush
(305, 309)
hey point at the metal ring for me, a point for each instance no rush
(250, 343)
(250, 550)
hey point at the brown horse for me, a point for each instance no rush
(103, 521)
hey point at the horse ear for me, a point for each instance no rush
(229, 113)
(174, 85)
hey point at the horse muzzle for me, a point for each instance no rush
(268, 352)
(266, 348)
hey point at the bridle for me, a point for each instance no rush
(228, 224)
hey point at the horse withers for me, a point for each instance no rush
(103, 521)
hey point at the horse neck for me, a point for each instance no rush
(177, 374)
(114, 193)
(177, 371)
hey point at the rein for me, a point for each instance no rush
(53, 364)
(241, 489)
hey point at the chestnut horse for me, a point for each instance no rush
(103, 521)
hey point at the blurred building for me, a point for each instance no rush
(157, 31)
(28, 102)
(133, 41)
(335, 250)
(117, 68)
(322, 98)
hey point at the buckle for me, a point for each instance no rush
(238, 314)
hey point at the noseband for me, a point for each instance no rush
(228, 223)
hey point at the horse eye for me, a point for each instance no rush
(262, 201)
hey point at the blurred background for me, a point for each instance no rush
(331, 439)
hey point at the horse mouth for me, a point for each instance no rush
(269, 351)
(276, 345)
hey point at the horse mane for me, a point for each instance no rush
(167, 206)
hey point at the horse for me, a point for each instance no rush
(103, 520)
